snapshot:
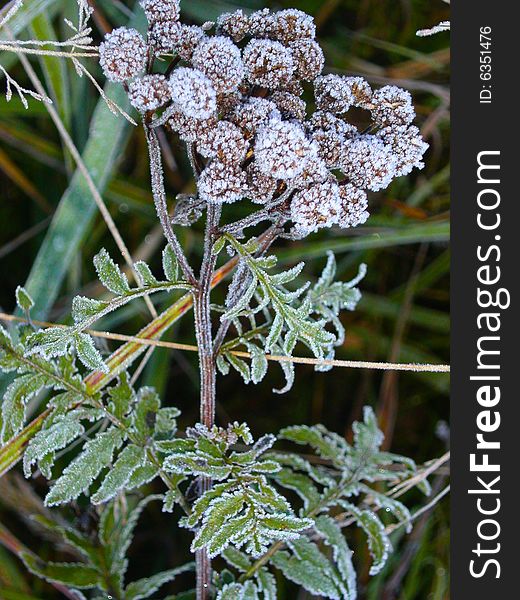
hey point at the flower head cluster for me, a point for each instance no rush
(236, 98)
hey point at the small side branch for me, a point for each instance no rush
(161, 206)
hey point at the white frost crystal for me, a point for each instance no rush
(122, 54)
(193, 93)
(368, 163)
(291, 24)
(225, 142)
(308, 58)
(149, 92)
(190, 37)
(220, 60)
(254, 114)
(333, 93)
(268, 63)
(290, 106)
(407, 145)
(315, 207)
(164, 36)
(188, 128)
(352, 208)
(360, 90)
(392, 106)
(282, 150)
(260, 187)
(235, 24)
(222, 183)
(161, 10)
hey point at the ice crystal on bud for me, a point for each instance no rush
(149, 92)
(236, 25)
(188, 128)
(333, 93)
(165, 36)
(222, 183)
(122, 54)
(308, 58)
(260, 187)
(190, 37)
(225, 142)
(193, 93)
(282, 150)
(261, 23)
(315, 171)
(352, 208)
(290, 106)
(291, 24)
(368, 163)
(254, 114)
(392, 106)
(361, 91)
(330, 133)
(220, 60)
(315, 207)
(268, 63)
(408, 147)
(161, 10)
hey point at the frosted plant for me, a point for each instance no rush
(233, 91)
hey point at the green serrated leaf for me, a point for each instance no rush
(170, 264)
(19, 392)
(46, 442)
(88, 353)
(83, 470)
(86, 308)
(145, 273)
(144, 588)
(131, 458)
(110, 275)
(75, 575)
(23, 299)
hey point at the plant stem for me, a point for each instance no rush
(203, 329)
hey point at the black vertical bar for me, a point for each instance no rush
(486, 257)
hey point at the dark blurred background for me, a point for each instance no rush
(404, 314)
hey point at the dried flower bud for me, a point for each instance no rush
(268, 64)
(361, 91)
(225, 142)
(193, 93)
(368, 163)
(333, 94)
(352, 209)
(254, 114)
(261, 23)
(291, 24)
(228, 103)
(291, 107)
(235, 25)
(188, 128)
(315, 207)
(164, 36)
(392, 106)
(282, 150)
(161, 10)
(190, 37)
(293, 86)
(122, 54)
(407, 145)
(260, 187)
(326, 121)
(149, 92)
(221, 62)
(330, 133)
(315, 171)
(222, 183)
(308, 58)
